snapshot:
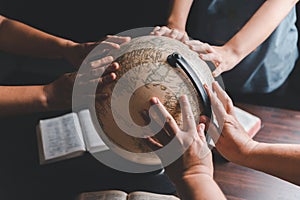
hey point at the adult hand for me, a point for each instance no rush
(172, 33)
(75, 53)
(196, 157)
(220, 56)
(59, 93)
(233, 143)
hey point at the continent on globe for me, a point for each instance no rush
(145, 73)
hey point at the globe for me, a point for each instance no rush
(147, 71)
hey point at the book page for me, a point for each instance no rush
(249, 122)
(103, 195)
(139, 195)
(93, 141)
(61, 136)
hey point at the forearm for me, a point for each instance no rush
(280, 160)
(21, 100)
(199, 186)
(16, 37)
(179, 14)
(259, 27)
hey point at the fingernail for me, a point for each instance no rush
(183, 97)
(113, 76)
(203, 119)
(116, 65)
(154, 100)
(202, 126)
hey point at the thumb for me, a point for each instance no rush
(200, 131)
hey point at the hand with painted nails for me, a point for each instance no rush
(194, 168)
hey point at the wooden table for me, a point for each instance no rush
(237, 182)
(21, 176)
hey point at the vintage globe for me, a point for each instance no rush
(146, 72)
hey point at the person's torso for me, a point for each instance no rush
(265, 69)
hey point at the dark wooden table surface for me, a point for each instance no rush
(237, 182)
(21, 176)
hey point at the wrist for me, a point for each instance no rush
(176, 23)
(44, 98)
(65, 47)
(232, 52)
(35, 97)
(248, 153)
(188, 188)
(189, 179)
(182, 177)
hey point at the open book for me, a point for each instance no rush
(67, 136)
(251, 123)
(121, 195)
(72, 134)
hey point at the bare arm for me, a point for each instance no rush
(253, 33)
(19, 38)
(260, 26)
(21, 100)
(199, 186)
(16, 37)
(192, 173)
(280, 160)
(58, 95)
(179, 14)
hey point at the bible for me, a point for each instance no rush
(121, 195)
(72, 134)
(67, 136)
(251, 123)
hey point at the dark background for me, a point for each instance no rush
(91, 20)
(87, 20)
(21, 176)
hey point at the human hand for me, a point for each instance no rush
(75, 53)
(220, 56)
(233, 143)
(59, 93)
(172, 33)
(195, 157)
